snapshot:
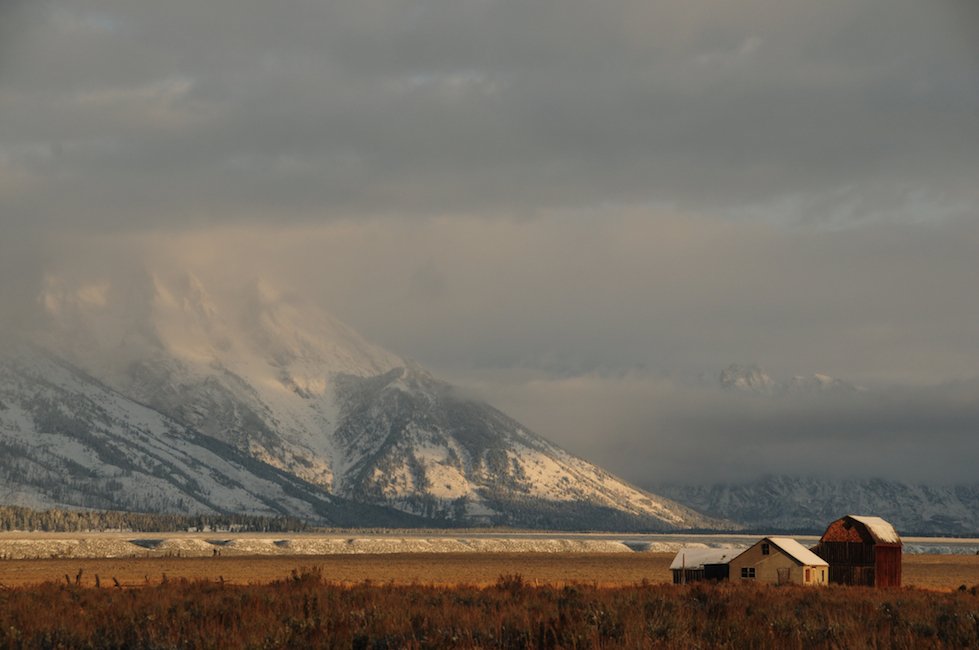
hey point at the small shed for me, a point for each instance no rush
(862, 551)
(692, 564)
(780, 560)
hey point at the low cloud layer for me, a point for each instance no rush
(593, 333)
(671, 293)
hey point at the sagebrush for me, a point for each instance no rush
(304, 611)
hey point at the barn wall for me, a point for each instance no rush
(693, 575)
(850, 563)
(846, 553)
(856, 576)
(707, 572)
(716, 571)
(888, 565)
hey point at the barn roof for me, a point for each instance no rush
(797, 551)
(880, 530)
(696, 558)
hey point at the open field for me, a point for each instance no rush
(939, 572)
(400, 568)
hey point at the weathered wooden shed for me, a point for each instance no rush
(693, 564)
(779, 560)
(862, 551)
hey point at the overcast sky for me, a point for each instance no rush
(573, 208)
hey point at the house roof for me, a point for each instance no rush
(696, 558)
(797, 551)
(880, 530)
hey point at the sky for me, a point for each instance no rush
(573, 209)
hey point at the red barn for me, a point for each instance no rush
(862, 551)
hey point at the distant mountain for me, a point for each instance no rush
(155, 395)
(806, 504)
(753, 379)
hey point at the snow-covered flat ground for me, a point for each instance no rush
(16, 545)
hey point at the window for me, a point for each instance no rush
(764, 549)
(747, 572)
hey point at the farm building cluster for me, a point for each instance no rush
(854, 550)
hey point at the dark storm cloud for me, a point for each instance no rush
(197, 112)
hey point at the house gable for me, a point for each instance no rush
(768, 562)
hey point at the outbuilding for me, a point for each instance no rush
(862, 551)
(693, 564)
(779, 560)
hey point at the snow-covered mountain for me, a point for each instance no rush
(753, 379)
(283, 384)
(68, 441)
(808, 504)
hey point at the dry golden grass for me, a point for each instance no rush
(422, 568)
(938, 572)
(307, 610)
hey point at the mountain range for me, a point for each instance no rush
(156, 396)
(808, 503)
(752, 378)
(794, 504)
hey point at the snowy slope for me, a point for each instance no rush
(407, 439)
(67, 441)
(284, 383)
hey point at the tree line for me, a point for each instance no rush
(56, 520)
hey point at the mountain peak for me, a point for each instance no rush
(753, 379)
